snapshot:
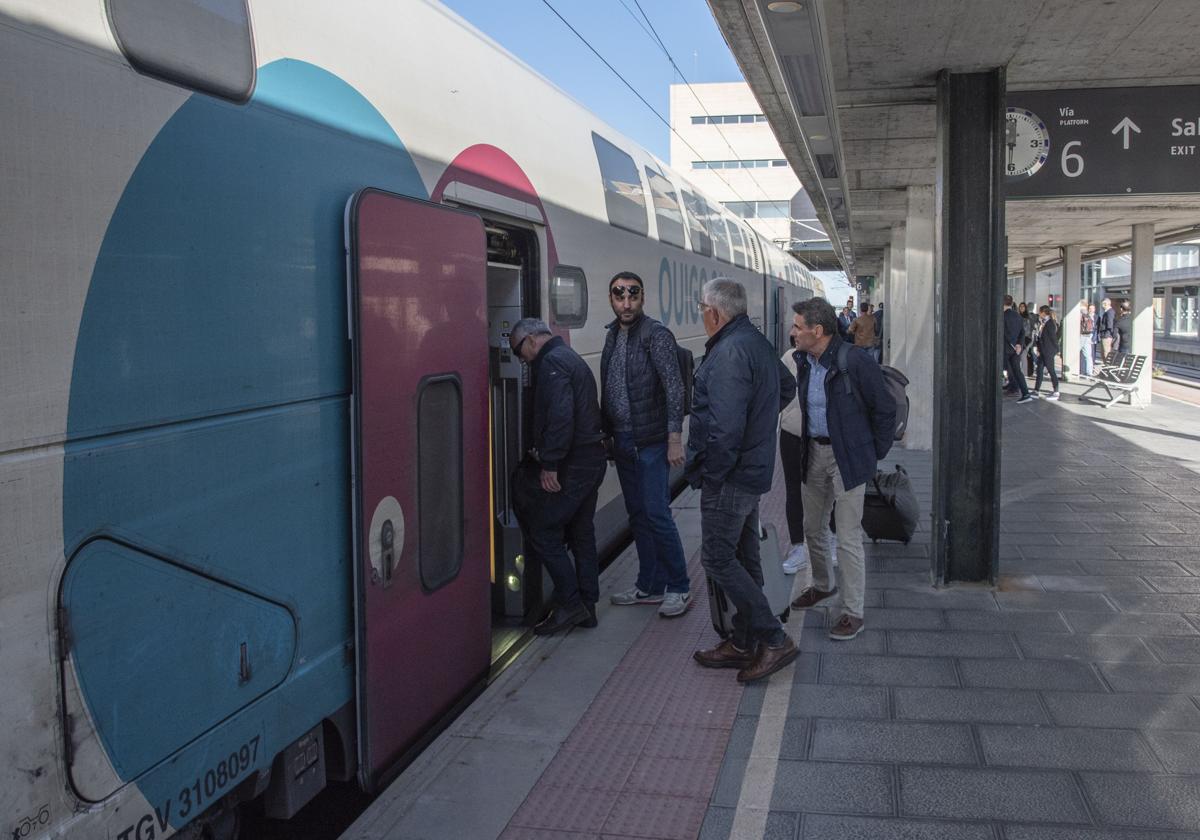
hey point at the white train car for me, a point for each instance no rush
(256, 410)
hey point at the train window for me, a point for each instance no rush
(439, 480)
(204, 45)
(623, 193)
(568, 296)
(666, 209)
(697, 213)
(716, 223)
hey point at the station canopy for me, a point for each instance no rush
(849, 87)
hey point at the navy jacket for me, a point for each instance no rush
(737, 395)
(862, 424)
(566, 414)
(1014, 330)
(1106, 323)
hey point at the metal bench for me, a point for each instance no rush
(1117, 376)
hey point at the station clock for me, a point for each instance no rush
(1027, 143)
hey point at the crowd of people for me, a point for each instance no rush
(837, 421)
(1033, 343)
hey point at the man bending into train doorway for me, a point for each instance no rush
(555, 490)
(641, 394)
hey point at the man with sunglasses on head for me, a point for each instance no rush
(642, 392)
(554, 493)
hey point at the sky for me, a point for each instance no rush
(530, 30)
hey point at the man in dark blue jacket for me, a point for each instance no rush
(849, 425)
(739, 390)
(555, 492)
(1014, 340)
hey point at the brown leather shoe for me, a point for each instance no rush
(811, 597)
(769, 660)
(724, 655)
(846, 628)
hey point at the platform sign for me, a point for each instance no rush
(1102, 142)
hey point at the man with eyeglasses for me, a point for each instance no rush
(554, 492)
(641, 392)
(739, 391)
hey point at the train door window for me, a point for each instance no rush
(720, 237)
(204, 45)
(666, 209)
(739, 244)
(697, 213)
(623, 193)
(568, 296)
(439, 480)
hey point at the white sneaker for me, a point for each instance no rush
(796, 559)
(1053, 395)
(675, 603)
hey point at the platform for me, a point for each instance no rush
(1063, 703)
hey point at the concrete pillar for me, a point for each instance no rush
(1030, 293)
(901, 321)
(969, 287)
(1071, 311)
(918, 273)
(1141, 286)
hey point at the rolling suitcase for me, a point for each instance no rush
(776, 585)
(890, 509)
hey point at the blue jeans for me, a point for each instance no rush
(644, 475)
(1087, 359)
(729, 552)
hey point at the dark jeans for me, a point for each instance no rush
(1015, 376)
(644, 474)
(791, 452)
(729, 553)
(1047, 365)
(552, 521)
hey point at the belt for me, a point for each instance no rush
(823, 441)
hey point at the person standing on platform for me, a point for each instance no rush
(1014, 343)
(1047, 344)
(555, 489)
(848, 429)
(791, 455)
(862, 331)
(1093, 346)
(1123, 329)
(1087, 332)
(739, 391)
(879, 333)
(641, 392)
(1106, 328)
(845, 319)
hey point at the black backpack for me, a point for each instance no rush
(895, 381)
(687, 365)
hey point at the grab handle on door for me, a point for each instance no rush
(387, 541)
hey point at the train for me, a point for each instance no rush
(258, 261)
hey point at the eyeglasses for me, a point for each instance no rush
(516, 348)
(619, 292)
(701, 306)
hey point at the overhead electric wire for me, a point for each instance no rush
(635, 92)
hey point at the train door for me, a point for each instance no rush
(418, 309)
(513, 274)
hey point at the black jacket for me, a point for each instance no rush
(1106, 323)
(1047, 342)
(566, 415)
(1014, 330)
(1123, 333)
(647, 397)
(739, 390)
(862, 424)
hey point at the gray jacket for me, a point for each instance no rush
(739, 390)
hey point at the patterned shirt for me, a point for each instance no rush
(666, 365)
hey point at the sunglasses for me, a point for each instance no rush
(516, 348)
(619, 292)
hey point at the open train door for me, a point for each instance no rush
(418, 321)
